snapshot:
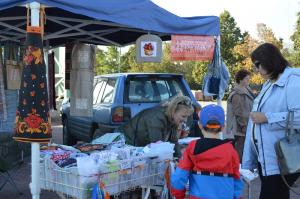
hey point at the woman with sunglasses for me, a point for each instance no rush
(163, 122)
(280, 93)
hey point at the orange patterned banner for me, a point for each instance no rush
(33, 121)
(34, 29)
(192, 48)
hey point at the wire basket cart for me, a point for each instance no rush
(116, 177)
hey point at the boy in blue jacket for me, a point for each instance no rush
(211, 165)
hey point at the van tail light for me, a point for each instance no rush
(117, 115)
(121, 114)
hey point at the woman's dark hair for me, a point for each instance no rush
(240, 75)
(270, 58)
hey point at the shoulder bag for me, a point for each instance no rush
(288, 150)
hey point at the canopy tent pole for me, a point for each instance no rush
(46, 50)
(35, 146)
(219, 100)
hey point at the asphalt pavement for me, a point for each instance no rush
(22, 176)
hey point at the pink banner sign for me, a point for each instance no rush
(192, 48)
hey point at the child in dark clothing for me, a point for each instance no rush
(211, 165)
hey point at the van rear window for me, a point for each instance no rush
(152, 90)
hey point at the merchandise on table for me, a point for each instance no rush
(117, 169)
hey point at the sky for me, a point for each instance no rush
(279, 15)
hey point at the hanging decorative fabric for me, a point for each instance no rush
(51, 81)
(33, 121)
(13, 68)
(68, 64)
(82, 78)
(3, 111)
(217, 78)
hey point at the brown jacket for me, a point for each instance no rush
(239, 106)
(150, 125)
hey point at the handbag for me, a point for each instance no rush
(214, 80)
(288, 148)
(214, 85)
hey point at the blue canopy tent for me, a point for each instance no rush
(101, 22)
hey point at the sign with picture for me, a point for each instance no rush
(192, 48)
(148, 48)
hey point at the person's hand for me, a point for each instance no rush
(258, 117)
(183, 130)
(176, 162)
(184, 134)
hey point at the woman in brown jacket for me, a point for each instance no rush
(239, 105)
(159, 123)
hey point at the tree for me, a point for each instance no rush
(230, 37)
(294, 55)
(296, 36)
(107, 61)
(189, 69)
(128, 60)
(198, 72)
(100, 62)
(244, 50)
(266, 34)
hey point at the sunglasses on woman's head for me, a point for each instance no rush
(186, 102)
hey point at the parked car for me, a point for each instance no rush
(117, 98)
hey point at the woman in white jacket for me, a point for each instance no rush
(280, 93)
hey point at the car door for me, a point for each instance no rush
(105, 102)
(81, 127)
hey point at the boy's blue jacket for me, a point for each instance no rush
(208, 156)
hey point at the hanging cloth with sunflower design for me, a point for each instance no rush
(33, 121)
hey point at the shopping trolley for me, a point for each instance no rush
(114, 177)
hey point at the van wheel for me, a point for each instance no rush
(67, 138)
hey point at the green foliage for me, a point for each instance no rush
(296, 36)
(294, 55)
(199, 70)
(236, 48)
(230, 37)
(265, 34)
(107, 61)
(193, 71)
(128, 60)
(244, 50)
